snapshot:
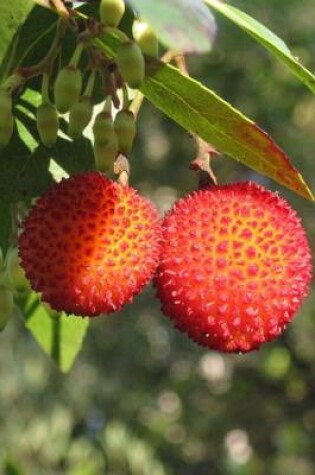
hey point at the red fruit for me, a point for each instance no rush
(235, 266)
(90, 244)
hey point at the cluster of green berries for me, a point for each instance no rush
(111, 137)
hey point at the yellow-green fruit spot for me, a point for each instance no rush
(67, 88)
(125, 127)
(131, 64)
(112, 11)
(47, 123)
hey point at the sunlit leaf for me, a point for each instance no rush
(200, 110)
(60, 336)
(268, 39)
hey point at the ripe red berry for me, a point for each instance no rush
(90, 244)
(235, 266)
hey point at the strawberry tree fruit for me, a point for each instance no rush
(6, 118)
(67, 88)
(6, 306)
(105, 142)
(125, 128)
(80, 115)
(235, 266)
(111, 12)
(145, 37)
(89, 245)
(47, 123)
(131, 64)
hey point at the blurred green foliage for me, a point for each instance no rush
(141, 398)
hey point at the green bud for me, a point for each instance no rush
(112, 11)
(6, 118)
(47, 123)
(16, 277)
(131, 64)
(125, 128)
(6, 306)
(67, 88)
(80, 115)
(105, 142)
(145, 38)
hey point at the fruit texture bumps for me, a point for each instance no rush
(235, 266)
(89, 245)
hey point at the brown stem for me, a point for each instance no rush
(205, 152)
(122, 169)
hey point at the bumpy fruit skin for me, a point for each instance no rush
(105, 142)
(47, 123)
(125, 128)
(67, 88)
(6, 306)
(80, 115)
(112, 11)
(90, 244)
(145, 38)
(235, 266)
(131, 64)
(6, 118)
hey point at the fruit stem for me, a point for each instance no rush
(90, 84)
(76, 55)
(126, 101)
(108, 105)
(45, 88)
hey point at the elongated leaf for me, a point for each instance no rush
(181, 25)
(60, 336)
(13, 14)
(268, 39)
(200, 110)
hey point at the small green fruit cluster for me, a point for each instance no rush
(112, 137)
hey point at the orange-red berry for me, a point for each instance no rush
(90, 244)
(235, 266)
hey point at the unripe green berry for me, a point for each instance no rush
(6, 118)
(67, 88)
(6, 306)
(145, 37)
(105, 142)
(112, 11)
(80, 115)
(47, 123)
(125, 128)
(16, 277)
(131, 64)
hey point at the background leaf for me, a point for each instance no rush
(268, 39)
(181, 25)
(13, 14)
(60, 336)
(200, 110)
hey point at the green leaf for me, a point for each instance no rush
(59, 335)
(181, 25)
(32, 167)
(13, 14)
(201, 111)
(268, 39)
